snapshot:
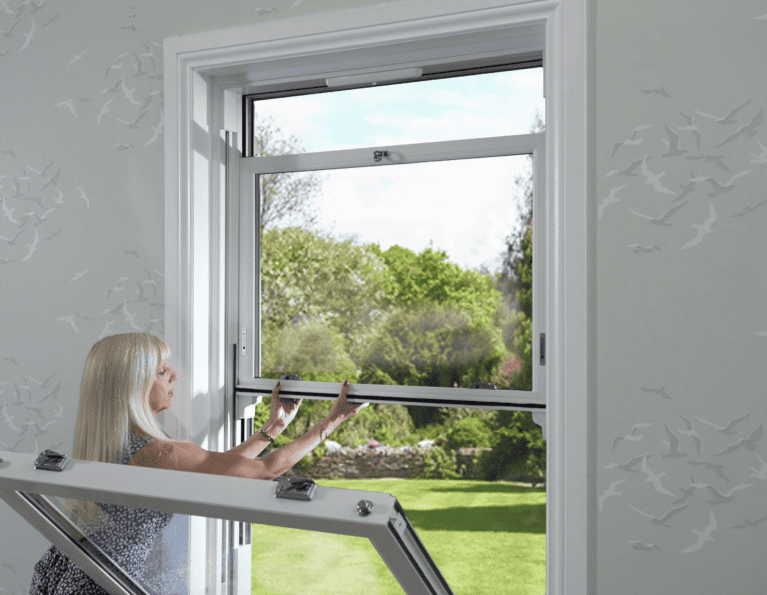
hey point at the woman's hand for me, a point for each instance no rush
(283, 410)
(343, 410)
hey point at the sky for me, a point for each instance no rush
(466, 208)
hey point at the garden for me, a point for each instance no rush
(486, 537)
(471, 481)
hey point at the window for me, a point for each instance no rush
(205, 76)
(409, 321)
(316, 301)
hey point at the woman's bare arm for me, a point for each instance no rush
(186, 456)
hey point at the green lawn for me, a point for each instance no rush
(486, 537)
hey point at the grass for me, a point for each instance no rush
(486, 537)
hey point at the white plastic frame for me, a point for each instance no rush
(247, 266)
(208, 72)
(251, 501)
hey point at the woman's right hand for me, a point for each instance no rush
(343, 410)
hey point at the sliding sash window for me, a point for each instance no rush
(244, 204)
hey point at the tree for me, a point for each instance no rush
(513, 251)
(444, 327)
(308, 278)
(434, 345)
(519, 448)
(286, 198)
(315, 351)
(520, 330)
(516, 280)
(428, 278)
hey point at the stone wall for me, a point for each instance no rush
(383, 461)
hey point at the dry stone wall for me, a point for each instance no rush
(383, 461)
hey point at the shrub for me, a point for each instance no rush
(390, 422)
(469, 432)
(517, 451)
(439, 464)
(384, 436)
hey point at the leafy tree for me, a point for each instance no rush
(313, 349)
(514, 252)
(286, 198)
(310, 277)
(432, 345)
(518, 448)
(429, 278)
(444, 329)
(521, 328)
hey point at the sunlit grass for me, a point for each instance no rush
(486, 537)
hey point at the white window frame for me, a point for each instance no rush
(376, 516)
(247, 267)
(205, 76)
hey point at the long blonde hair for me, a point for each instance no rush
(114, 403)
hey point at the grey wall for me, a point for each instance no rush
(681, 328)
(90, 263)
(681, 324)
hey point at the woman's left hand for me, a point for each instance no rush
(283, 411)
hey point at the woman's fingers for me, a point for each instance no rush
(276, 389)
(346, 408)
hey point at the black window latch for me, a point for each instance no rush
(49, 460)
(295, 488)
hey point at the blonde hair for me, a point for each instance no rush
(114, 403)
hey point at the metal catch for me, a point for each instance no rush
(295, 488)
(49, 460)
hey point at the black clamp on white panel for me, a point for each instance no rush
(295, 488)
(51, 461)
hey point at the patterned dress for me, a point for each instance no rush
(128, 543)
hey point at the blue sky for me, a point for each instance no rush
(465, 207)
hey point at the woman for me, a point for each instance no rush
(126, 382)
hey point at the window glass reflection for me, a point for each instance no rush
(471, 482)
(403, 275)
(134, 541)
(474, 106)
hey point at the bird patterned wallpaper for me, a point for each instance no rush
(681, 315)
(82, 117)
(680, 211)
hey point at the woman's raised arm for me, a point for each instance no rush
(186, 456)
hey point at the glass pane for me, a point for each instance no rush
(474, 106)
(293, 561)
(134, 540)
(471, 488)
(410, 275)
